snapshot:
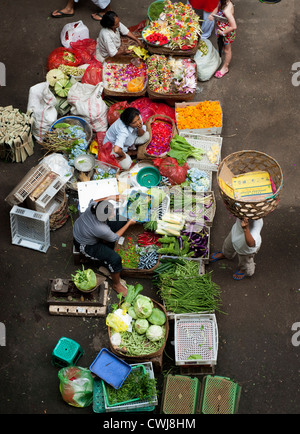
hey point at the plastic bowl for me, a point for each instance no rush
(75, 120)
(148, 177)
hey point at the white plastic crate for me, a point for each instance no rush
(196, 335)
(30, 229)
(202, 131)
(205, 143)
(135, 404)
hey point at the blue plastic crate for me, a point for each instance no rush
(110, 368)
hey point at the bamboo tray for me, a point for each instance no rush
(177, 52)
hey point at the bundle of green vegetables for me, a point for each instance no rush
(147, 333)
(182, 150)
(189, 294)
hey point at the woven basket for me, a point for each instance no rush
(61, 215)
(142, 150)
(107, 92)
(249, 161)
(135, 359)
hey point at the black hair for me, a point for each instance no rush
(108, 20)
(128, 115)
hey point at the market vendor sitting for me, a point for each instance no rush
(109, 42)
(95, 233)
(126, 132)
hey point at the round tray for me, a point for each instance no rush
(150, 43)
(148, 177)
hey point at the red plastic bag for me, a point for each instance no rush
(165, 109)
(85, 49)
(93, 73)
(138, 27)
(104, 151)
(169, 167)
(145, 106)
(115, 110)
(62, 56)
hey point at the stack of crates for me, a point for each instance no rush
(180, 395)
(30, 226)
(220, 395)
(102, 405)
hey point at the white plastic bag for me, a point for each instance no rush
(73, 32)
(42, 102)
(86, 101)
(207, 64)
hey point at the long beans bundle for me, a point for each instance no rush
(135, 344)
(188, 295)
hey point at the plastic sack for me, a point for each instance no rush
(62, 56)
(86, 101)
(116, 323)
(104, 153)
(145, 106)
(85, 49)
(42, 102)
(169, 167)
(93, 73)
(115, 110)
(207, 64)
(73, 32)
(76, 386)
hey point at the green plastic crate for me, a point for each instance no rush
(180, 395)
(220, 395)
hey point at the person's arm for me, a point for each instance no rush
(248, 237)
(121, 231)
(134, 38)
(113, 197)
(231, 22)
(210, 17)
(140, 130)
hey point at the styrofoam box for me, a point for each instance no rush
(202, 131)
(30, 229)
(205, 143)
(196, 334)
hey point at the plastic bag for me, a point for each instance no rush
(93, 73)
(85, 49)
(169, 167)
(116, 323)
(73, 32)
(207, 64)
(42, 102)
(115, 110)
(104, 153)
(145, 106)
(76, 386)
(62, 56)
(86, 101)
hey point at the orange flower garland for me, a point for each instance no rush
(205, 114)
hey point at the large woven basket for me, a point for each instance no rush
(136, 359)
(142, 150)
(249, 161)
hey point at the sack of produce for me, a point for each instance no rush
(42, 102)
(76, 386)
(85, 49)
(86, 101)
(62, 56)
(93, 73)
(73, 32)
(207, 59)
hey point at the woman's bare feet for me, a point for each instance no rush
(119, 288)
(214, 257)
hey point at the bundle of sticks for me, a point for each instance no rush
(16, 142)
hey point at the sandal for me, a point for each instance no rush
(239, 273)
(219, 74)
(61, 15)
(213, 257)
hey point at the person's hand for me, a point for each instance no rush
(210, 17)
(245, 223)
(131, 222)
(220, 32)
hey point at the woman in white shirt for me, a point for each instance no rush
(109, 42)
(124, 133)
(244, 240)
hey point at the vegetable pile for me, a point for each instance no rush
(85, 280)
(182, 150)
(147, 331)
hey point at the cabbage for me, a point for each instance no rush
(141, 325)
(157, 317)
(143, 306)
(131, 312)
(155, 333)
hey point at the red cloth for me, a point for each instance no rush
(206, 5)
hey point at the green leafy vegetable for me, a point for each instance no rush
(180, 149)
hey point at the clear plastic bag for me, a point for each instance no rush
(76, 386)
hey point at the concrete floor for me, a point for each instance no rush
(261, 112)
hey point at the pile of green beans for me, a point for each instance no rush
(188, 295)
(135, 344)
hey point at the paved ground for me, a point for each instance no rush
(260, 107)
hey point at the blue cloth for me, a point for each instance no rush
(120, 135)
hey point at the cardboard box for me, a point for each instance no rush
(202, 131)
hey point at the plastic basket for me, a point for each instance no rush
(139, 404)
(110, 368)
(130, 214)
(205, 143)
(30, 229)
(220, 395)
(106, 393)
(180, 395)
(196, 335)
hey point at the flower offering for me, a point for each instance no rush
(161, 137)
(117, 75)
